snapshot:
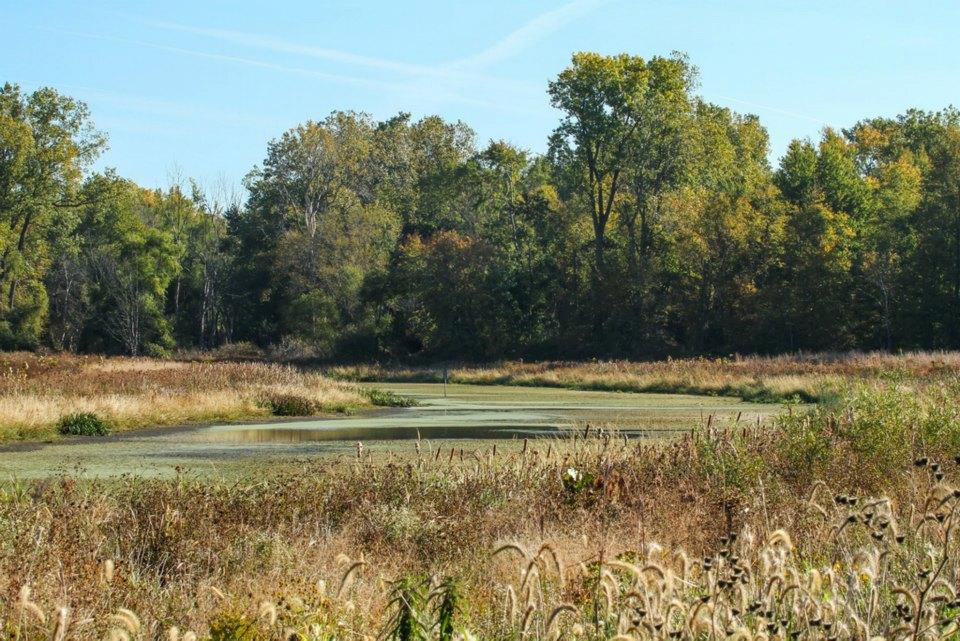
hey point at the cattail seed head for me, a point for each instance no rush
(108, 570)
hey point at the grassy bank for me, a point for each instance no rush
(837, 534)
(36, 392)
(126, 393)
(812, 378)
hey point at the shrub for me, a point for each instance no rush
(230, 626)
(82, 424)
(242, 351)
(575, 482)
(386, 398)
(293, 349)
(291, 405)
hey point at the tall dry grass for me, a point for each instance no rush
(840, 523)
(37, 390)
(808, 378)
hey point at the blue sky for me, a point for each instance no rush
(199, 88)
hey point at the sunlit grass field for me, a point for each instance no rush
(128, 393)
(836, 521)
(807, 378)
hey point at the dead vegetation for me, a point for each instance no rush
(36, 391)
(807, 378)
(834, 524)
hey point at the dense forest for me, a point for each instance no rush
(653, 225)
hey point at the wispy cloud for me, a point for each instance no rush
(507, 47)
(251, 62)
(776, 110)
(533, 31)
(279, 45)
(400, 88)
(464, 80)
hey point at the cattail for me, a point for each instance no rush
(351, 571)
(268, 611)
(63, 617)
(780, 537)
(548, 550)
(512, 547)
(29, 606)
(108, 569)
(126, 619)
(527, 614)
(556, 613)
(511, 607)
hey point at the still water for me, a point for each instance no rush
(469, 416)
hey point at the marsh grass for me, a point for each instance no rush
(386, 398)
(775, 379)
(37, 391)
(720, 534)
(82, 424)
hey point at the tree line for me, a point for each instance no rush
(653, 225)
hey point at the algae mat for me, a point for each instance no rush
(452, 416)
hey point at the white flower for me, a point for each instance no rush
(573, 474)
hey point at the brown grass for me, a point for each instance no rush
(314, 550)
(835, 525)
(35, 391)
(811, 378)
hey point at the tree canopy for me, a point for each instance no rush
(654, 225)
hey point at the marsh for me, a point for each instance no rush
(467, 417)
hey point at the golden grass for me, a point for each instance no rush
(640, 548)
(810, 378)
(846, 520)
(36, 391)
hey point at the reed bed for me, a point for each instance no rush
(807, 378)
(838, 523)
(37, 390)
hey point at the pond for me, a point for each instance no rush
(461, 416)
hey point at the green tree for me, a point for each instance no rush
(120, 272)
(727, 233)
(46, 142)
(312, 232)
(616, 109)
(825, 197)
(454, 298)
